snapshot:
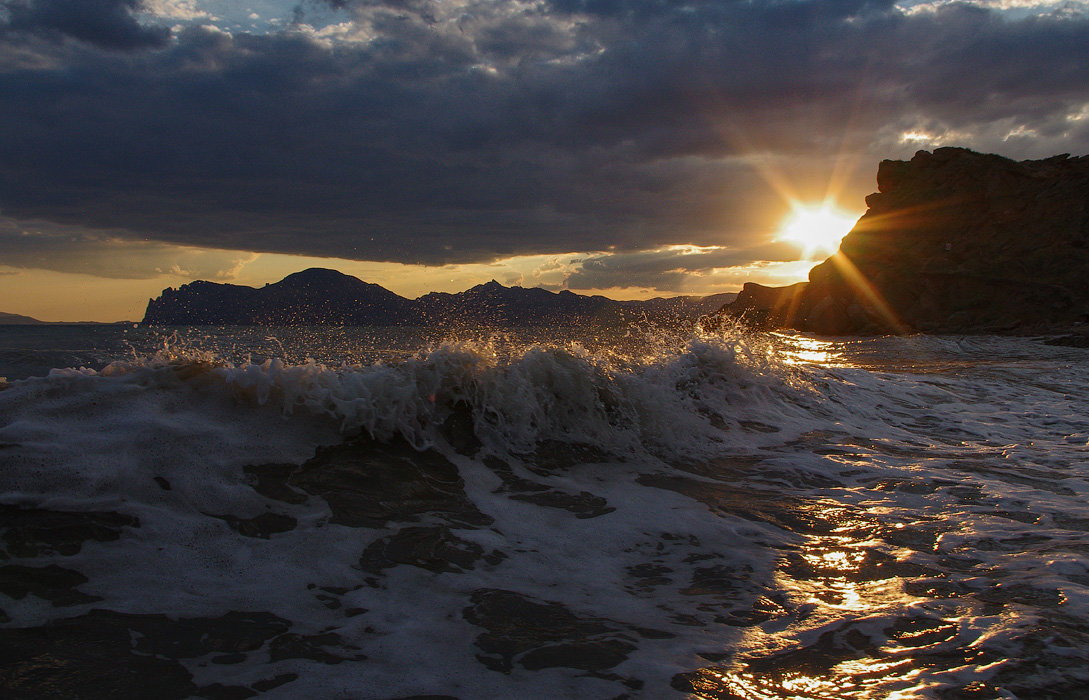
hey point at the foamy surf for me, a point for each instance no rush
(715, 516)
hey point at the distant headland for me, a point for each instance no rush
(7, 319)
(954, 241)
(326, 297)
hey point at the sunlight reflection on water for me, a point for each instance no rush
(863, 635)
(802, 350)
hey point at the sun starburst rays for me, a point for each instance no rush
(816, 229)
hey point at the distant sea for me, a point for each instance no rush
(316, 512)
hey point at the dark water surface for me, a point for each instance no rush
(378, 513)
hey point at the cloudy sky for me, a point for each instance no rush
(631, 147)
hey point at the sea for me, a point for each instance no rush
(641, 512)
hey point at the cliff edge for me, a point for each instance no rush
(953, 241)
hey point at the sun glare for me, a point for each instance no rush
(817, 229)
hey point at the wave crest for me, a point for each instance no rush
(669, 396)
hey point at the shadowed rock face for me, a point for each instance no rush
(953, 242)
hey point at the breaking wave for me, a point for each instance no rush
(676, 398)
(716, 515)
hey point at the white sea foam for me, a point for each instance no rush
(737, 467)
(678, 399)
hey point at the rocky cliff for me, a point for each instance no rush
(953, 242)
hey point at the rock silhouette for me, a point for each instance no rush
(326, 297)
(954, 241)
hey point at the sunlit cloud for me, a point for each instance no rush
(1080, 114)
(922, 138)
(675, 269)
(188, 10)
(1054, 8)
(1021, 131)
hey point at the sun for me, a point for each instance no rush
(816, 228)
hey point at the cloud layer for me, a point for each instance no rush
(43, 245)
(469, 130)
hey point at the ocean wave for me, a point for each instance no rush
(670, 396)
(714, 514)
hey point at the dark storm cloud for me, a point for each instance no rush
(46, 246)
(106, 23)
(445, 132)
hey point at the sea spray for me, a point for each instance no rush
(714, 514)
(680, 401)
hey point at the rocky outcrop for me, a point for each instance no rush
(315, 296)
(326, 297)
(953, 242)
(492, 303)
